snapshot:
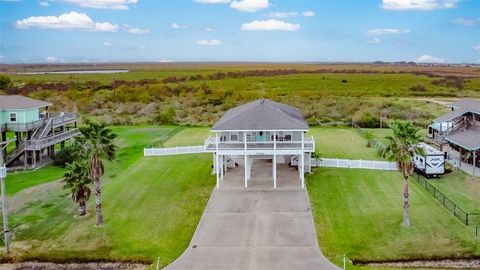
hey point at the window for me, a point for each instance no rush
(234, 137)
(13, 117)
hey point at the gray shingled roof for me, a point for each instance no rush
(262, 114)
(468, 138)
(20, 102)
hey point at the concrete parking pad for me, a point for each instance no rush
(255, 229)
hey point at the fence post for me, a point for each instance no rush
(466, 219)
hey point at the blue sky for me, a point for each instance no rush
(239, 30)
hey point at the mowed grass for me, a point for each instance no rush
(18, 181)
(151, 208)
(130, 141)
(461, 188)
(189, 136)
(342, 142)
(359, 213)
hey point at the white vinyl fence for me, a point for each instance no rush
(147, 152)
(355, 164)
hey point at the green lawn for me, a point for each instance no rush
(130, 141)
(189, 136)
(341, 142)
(461, 188)
(18, 181)
(359, 213)
(151, 207)
(381, 133)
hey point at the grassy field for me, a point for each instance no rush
(199, 94)
(18, 181)
(151, 207)
(189, 136)
(342, 142)
(359, 213)
(461, 188)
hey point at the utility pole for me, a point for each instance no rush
(3, 175)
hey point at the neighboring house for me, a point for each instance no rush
(262, 129)
(35, 129)
(458, 133)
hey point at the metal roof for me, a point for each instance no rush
(467, 138)
(262, 114)
(20, 103)
(451, 115)
(466, 103)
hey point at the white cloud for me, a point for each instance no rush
(249, 5)
(165, 61)
(2, 57)
(270, 25)
(465, 22)
(476, 48)
(212, 42)
(387, 31)
(177, 26)
(418, 4)
(212, 1)
(72, 21)
(103, 4)
(208, 29)
(308, 13)
(429, 59)
(107, 44)
(280, 14)
(44, 4)
(51, 59)
(138, 31)
(375, 40)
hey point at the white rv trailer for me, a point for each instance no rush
(431, 163)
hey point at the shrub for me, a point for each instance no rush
(418, 88)
(64, 157)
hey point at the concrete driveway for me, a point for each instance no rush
(255, 229)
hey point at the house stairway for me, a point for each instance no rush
(52, 132)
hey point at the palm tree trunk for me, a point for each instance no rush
(98, 201)
(82, 208)
(406, 203)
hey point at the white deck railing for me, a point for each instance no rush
(173, 150)
(355, 164)
(308, 144)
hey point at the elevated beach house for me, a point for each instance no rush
(35, 129)
(262, 129)
(458, 134)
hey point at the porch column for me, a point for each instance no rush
(221, 166)
(217, 171)
(474, 161)
(274, 172)
(214, 169)
(246, 171)
(300, 169)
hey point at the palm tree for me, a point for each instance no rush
(77, 181)
(402, 146)
(369, 137)
(97, 142)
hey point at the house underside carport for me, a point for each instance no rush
(260, 171)
(261, 175)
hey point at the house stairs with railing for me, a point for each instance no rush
(36, 130)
